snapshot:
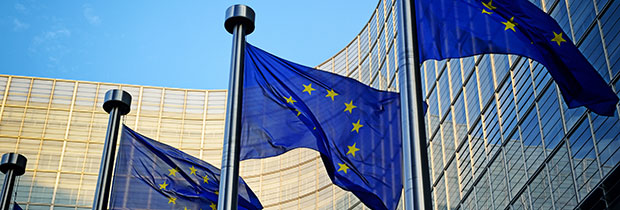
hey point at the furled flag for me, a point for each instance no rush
(460, 28)
(355, 128)
(152, 175)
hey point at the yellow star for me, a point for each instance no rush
(350, 107)
(308, 88)
(510, 24)
(205, 179)
(343, 167)
(489, 5)
(331, 93)
(298, 112)
(172, 200)
(173, 172)
(558, 38)
(193, 170)
(290, 100)
(217, 192)
(484, 11)
(163, 186)
(352, 150)
(213, 206)
(357, 126)
(186, 208)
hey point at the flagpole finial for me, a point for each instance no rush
(239, 14)
(14, 161)
(117, 98)
(12, 165)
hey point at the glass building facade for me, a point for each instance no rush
(499, 134)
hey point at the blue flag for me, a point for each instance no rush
(355, 128)
(16, 206)
(460, 28)
(152, 175)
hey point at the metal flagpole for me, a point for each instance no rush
(239, 22)
(117, 102)
(12, 165)
(415, 158)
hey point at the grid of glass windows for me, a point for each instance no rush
(499, 134)
(59, 126)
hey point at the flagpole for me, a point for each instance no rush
(12, 165)
(239, 22)
(117, 103)
(415, 158)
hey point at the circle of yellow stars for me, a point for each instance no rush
(193, 170)
(488, 9)
(331, 93)
(349, 107)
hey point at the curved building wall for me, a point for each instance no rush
(499, 134)
(372, 56)
(60, 126)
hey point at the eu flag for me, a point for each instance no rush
(355, 128)
(152, 175)
(460, 28)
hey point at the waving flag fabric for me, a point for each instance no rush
(152, 175)
(355, 128)
(460, 28)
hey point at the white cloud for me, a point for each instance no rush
(57, 34)
(90, 16)
(51, 36)
(19, 25)
(20, 7)
(51, 46)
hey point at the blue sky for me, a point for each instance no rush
(181, 44)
